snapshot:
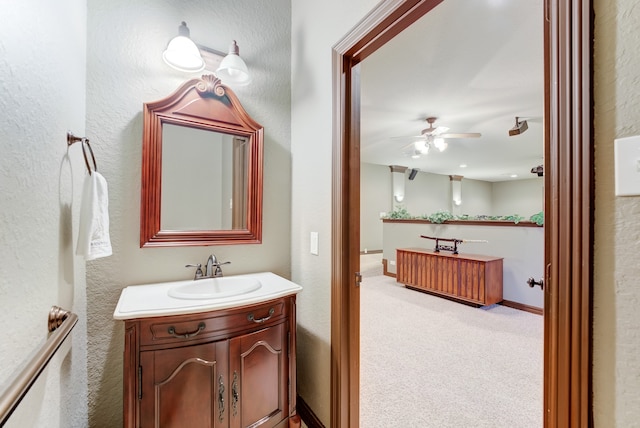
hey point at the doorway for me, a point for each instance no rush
(474, 87)
(568, 184)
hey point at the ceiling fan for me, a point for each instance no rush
(435, 137)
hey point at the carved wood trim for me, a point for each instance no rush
(206, 104)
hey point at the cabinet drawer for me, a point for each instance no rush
(209, 325)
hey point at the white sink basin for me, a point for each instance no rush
(215, 288)
(204, 295)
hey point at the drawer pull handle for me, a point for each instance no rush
(251, 317)
(221, 399)
(172, 332)
(235, 396)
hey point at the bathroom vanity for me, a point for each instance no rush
(210, 361)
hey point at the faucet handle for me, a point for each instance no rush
(199, 273)
(218, 270)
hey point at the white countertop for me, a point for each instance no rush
(153, 300)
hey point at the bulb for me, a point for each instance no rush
(440, 144)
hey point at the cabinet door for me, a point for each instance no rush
(259, 376)
(185, 387)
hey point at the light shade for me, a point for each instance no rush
(232, 69)
(182, 53)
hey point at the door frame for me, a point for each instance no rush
(568, 167)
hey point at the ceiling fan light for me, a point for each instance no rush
(422, 147)
(440, 144)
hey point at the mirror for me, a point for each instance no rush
(201, 169)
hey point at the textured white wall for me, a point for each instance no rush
(375, 198)
(477, 197)
(616, 341)
(124, 69)
(427, 193)
(523, 197)
(42, 87)
(316, 27)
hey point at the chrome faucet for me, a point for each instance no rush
(212, 268)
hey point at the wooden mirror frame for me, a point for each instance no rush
(205, 104)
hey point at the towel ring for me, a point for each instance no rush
(85, 142)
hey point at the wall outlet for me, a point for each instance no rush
(392, 262)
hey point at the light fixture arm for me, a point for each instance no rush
(183, 30)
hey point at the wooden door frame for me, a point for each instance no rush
(568, 206)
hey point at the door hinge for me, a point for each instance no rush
(139, 382)
(358, 279)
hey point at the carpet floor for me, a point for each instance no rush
(430, 362)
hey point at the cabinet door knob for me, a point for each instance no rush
(172, 332)
(251, 317)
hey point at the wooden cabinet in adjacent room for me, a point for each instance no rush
(472, 278)
(231, 368)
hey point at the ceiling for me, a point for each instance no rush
(473, 64)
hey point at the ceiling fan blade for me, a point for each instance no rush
(461, 135)
(406, 137)
(435, 131)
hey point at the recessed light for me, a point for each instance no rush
(513, 175)
(463, 165)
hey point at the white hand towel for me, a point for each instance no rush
(93, 234)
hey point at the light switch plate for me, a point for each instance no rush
(627, 166)
(313, 243)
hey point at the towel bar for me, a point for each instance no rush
(60, 323)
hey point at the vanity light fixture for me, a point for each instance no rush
(232, 69)
(184, 54)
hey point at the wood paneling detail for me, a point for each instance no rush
(472, 278)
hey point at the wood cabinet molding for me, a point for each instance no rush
(230, 368)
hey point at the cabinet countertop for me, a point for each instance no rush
(477, 257)
(153, 300)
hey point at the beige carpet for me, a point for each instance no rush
(431, 362)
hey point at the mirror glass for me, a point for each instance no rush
(202, 158)
(204, 178)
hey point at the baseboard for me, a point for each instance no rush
(508, 303)
(306, 413)
(385, 271)
(362, 253)
(523, 307)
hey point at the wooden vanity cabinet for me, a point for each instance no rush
(232, 368)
